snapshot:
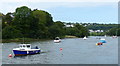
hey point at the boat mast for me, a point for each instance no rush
(116, 31)
(23, 40)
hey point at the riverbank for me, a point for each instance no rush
(68, 36)
(26, 40)
(31, 39)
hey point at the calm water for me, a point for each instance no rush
(75, 51)
(0, 54)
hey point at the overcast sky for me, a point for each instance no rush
(85, 11)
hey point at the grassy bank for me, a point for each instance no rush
(21, 40)
(31, 39)
(68, 36)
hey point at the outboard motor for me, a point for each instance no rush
(36, 47)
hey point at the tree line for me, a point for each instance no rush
(39, 24)
(105, 27)
(109, 29)
(36, 24)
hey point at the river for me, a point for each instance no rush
(74, 51)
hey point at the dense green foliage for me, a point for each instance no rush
(78, 31)
(37, 24)
(104, 27)
(1, 14)
(57, 29)
(114, 31)
(109, 29)
(10, 32)
(97, 33)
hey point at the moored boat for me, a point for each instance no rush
(105, 36)
(100, 43)
(57, 40)
(85, 38)
(102, 40)
(114, 36)
(26, 49)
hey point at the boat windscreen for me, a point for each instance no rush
(20, 46)
(28, 46)
(23, 45)
(56, 38)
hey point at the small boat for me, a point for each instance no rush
(26, 49)
(57, 40)
(102, 41)
(105, 36)
(114, 36)
(85, 38)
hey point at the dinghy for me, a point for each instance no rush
(85, 38)
(57, 40)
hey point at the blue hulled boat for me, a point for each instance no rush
(26, 49)
(102, 41)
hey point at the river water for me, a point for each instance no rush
(74, 51)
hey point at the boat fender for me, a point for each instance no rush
(100, 43)
(96, 43)
(10, 55)
(61, 49)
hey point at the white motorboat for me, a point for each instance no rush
(26, 49)
(85, 38)
(57, 40)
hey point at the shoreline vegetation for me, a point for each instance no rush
(27, 40)
(30, 39)
(21, 40)
(37, 24)
(69, 36)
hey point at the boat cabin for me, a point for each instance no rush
(57, 38)
(23, 46)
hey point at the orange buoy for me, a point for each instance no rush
(100, 43)
(10, 55)
(61, 49)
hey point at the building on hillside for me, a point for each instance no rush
(95, 31)
(69, 25)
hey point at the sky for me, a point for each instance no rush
(82, 11)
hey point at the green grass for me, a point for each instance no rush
(26, 40)
(68, 36)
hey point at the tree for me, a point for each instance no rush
(1, 14)
(10, 32)
(114, 31)
(72, 31)
(78, 30)
(57, 29)
(8, 18)
(22, 20)
(43, 17)
(83, 31)
(43, 22)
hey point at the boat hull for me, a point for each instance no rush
(57, 41)
(102, 41)
(21, 53)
